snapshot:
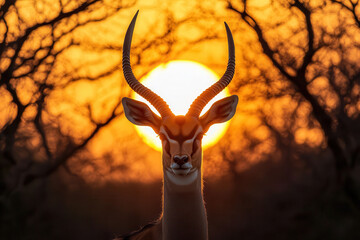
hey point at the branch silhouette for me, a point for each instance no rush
(334, 122)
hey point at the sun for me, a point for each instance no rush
(179, 83)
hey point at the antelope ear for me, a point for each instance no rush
(221, 111)
(140, 114)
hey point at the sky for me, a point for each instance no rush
(166, 31)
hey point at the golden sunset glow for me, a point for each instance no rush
(179, 83)
(72, 154)
(68, 76)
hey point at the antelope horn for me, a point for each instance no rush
(201, 101)
(143, 91)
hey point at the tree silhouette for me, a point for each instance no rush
(31, 52)
(47, 49)
(310, 53)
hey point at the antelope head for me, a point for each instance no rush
(180, 135)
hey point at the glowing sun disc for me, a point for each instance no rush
(179, 83)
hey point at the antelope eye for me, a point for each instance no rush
(197, 142)
(199, 136)
(166, 144)
(162, 137)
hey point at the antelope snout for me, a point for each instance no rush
(180, 159)
(181, 165)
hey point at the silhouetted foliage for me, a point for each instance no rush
(314, 64)
(45, 50)
(35, 38)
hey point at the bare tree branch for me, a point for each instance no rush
(50, 168)
(351, 9)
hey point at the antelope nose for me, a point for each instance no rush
(181, 159)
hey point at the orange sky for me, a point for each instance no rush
(71, 102)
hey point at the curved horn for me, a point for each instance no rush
(201, 101)
(143, 91)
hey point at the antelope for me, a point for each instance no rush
(184, 214)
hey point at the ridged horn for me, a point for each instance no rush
(140, 89)
(201, 101)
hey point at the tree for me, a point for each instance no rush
(48, 49)
(32, 52)
(315, 63)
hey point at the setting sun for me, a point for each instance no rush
(179, 83)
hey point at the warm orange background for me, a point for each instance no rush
(273, 175)
(119, 138)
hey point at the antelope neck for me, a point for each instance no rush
(184, 215)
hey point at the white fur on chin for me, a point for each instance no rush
(182, 179)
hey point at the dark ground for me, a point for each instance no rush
(271, 200)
